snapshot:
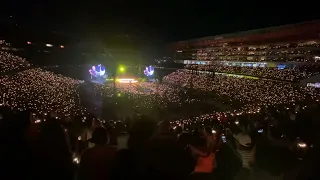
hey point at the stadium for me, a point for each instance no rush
(289, 47)
(288, 43)
(267, 79)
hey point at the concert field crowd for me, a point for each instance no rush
(288, 74)
(193, 125)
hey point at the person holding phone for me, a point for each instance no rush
(210, 138)
(224, 138)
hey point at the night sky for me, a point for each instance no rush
(156, 22)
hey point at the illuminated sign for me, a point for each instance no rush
(126, 81)
(315, 85)
(281, 66)
(97, 71)
(237, 76)
(244, 64)
(149, 71)
(226, 74)
(195, 62)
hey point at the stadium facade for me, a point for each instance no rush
(281, 46)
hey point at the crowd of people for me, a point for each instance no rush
(261, 92)
(287, 74)
(40, 91)
(252, 94)
(259, 146)
(9, 63)
(260, 121)
(299, 52)
(153, 99)
(43, 91)
(152, 94)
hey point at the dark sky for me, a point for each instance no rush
(170, 20)
(156, 21)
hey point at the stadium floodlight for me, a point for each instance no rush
(49, 45)
(122, 68)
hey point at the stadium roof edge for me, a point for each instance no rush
(252, 32)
